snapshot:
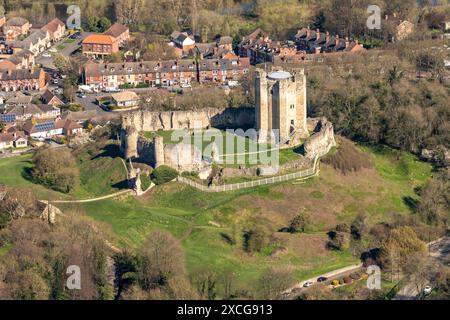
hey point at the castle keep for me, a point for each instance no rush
(279, 116)
(281, 104)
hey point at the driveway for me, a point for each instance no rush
(65, 46)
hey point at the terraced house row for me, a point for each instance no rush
(165, 73)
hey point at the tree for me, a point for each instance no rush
(55, 168)
(160, 259)
(274, 281)
(129, 11)
(51, 11)
(434, 201)
(300, 223)
(163, 174)
(256, 239)
(358, 226)
(398, 249)
(205, 281)
(2, 126)
(69, 90)
(337, 240)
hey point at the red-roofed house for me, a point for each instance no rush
(99, 45)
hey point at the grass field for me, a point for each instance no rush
(227, 143)
(101, 173)
(202, 220)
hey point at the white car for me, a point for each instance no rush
(46, 55)
(52, 50)
(427, 290)
(307, 284)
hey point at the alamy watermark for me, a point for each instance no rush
(374, 20)
(374, 279)
(74, 280)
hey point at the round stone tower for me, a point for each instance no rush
(129, 142)
(158, 143)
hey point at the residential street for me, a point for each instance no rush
(335, 274)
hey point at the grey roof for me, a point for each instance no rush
(19, 98)
(20, 74)
(185, 65)
(33, 38)
(16, 21)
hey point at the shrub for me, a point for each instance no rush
(335, 282)
(347, 280)
(145, 181)
(349, 158)
(300, 223)
(55, 168)
(163, 174)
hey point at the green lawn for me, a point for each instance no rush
(200, 220)
(227, 143)
(101, 173)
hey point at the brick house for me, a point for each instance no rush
(22, 59)
(56, 29)
(222, 70)
(119, 32)
(15, 27)
(36, 42)
(183, 41)
(49, 98)
(152, 73)
(22, 79)
(315, 42)
(99, 45)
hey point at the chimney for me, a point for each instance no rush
(328, 37)
(347, 42)
(317, 50)
(337, 40)
(318, 34)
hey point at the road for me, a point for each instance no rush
(69, 48)
(439, 253)
(332, 275)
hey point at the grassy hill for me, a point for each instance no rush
(204, 221)
(101, 173)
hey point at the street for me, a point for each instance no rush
(439, 254)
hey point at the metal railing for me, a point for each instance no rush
(260, 182)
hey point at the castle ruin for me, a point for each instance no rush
(280, 105)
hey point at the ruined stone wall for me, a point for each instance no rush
(143, 120)
(321, 140)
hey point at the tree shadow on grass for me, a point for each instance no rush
(411, 203)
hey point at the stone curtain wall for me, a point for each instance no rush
(320, 142)
(144, 120)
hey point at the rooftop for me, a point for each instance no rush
(279, 75)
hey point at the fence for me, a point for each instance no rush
(249, 184)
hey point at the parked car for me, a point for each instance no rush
(427, 290)
(55, 81)
(81, 95)
(322, 279)
(52, 50)
(308, 284)
(46, 55)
